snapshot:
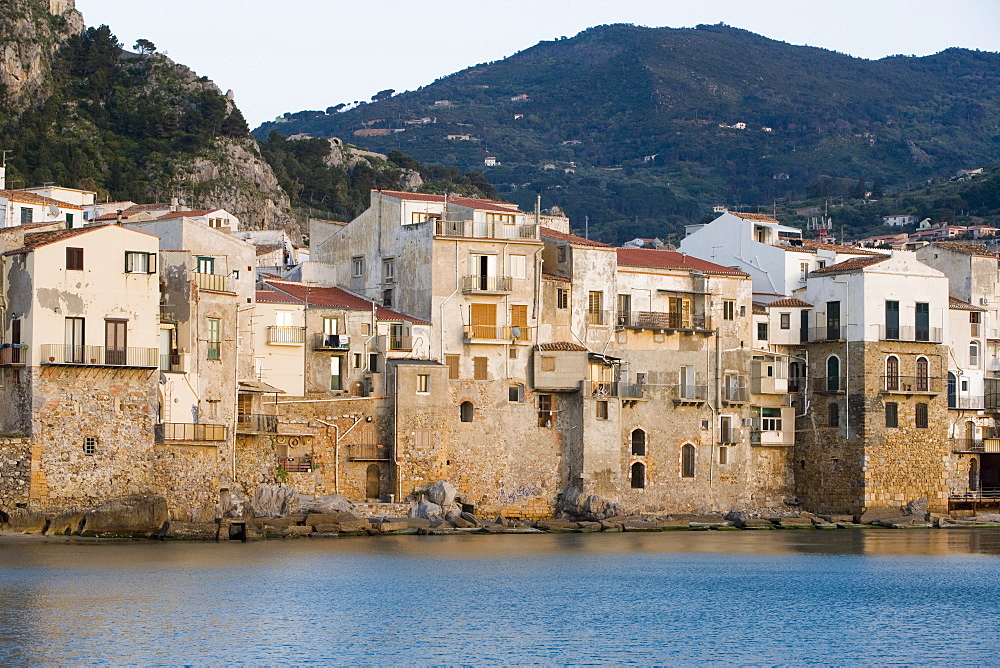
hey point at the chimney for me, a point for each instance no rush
(173, 203)
(118, 220)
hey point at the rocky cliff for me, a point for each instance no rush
(30, 33)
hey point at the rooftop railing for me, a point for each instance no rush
(99, 356)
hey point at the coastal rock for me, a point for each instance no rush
(296, 531)
(427, 510)
(442, 493)
(873, 515)
(274, 500)
(557, 525)
(67, 523)
(737, 517)
(328, 503)
(191, 530)
(574, 504)
(141, 514)
(916, 508)
(22, 520)
(236, 506)
(314, 519)
(469, 517)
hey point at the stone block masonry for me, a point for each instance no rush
(15, 472)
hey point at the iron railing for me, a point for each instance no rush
(332, 342)
(497, 333)
(487, 283)
(12, 354)
(910, 333)
(911, 384)
(181, 431)
(738, 393)
(692, 392)
(661, 320)
(836, 333)
(492, 230)
(603, 388)
(631, 390)
(54, 353)
(989, 445)
(967, 403)
(252, 423)
(214, 282)
(829, 384)
(400, 342)
(170, 363)
(286, 334)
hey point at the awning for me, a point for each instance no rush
(258, 386)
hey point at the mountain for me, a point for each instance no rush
(642, 129)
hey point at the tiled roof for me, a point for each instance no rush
(338, 298)
(959, 305)
(333, 222)
(966, 248)
(189, 214)
(275, 297)
(667, 259)
(39, 239)
(791, 301)
(470, 202)
(759, 217)
(553, 277)
(759, 309)
(32, 198)
(150, 207)
(573, 239)
(837, 248)
(114, 216)
(264, 249)
(853, 264)
(562, 345)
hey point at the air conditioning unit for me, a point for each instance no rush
(747, 422)
(984, 301)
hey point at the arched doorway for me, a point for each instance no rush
(373, 480)
(638, 475)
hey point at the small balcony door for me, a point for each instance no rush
(485, 267)
(74, 340)
(115, 344)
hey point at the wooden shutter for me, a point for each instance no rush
(519, 318)
(484, 320)
(481, 368)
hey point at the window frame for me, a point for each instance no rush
(214, 340)
(74, 258)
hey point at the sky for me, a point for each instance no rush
(313, 54)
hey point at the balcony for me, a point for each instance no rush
(603, 388)
(909, 333)
(296, 464)
(144, 358)
(214, 282)
(987, 445)
(632, 391)
(487, 284)
(911, 385)
(332, 342)
(967, 403)
(248, 423)
(171, 364)
(736, 393)
(820, 334)
(829, 384)
(400, 342)
(181, 431)
(661, 320)
(13, 354)
(467, 229)
(285, 335)
(496, 333)
(367, 452)
(691, 395)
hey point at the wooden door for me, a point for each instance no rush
(115, 344)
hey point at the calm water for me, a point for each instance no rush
(842, 597)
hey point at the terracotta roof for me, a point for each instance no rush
(150, 207)
(334, 222)
(275, 297)
(338, 298)
(470, 202)
(39, 239)
(759, 309)
(966, 248)
(189, 214)
(959, 305)
(667, 259)
(114, 216)
(837, 248)
(759, 217)
(562, 236)
(562, 345)
(264, 249)
(32, 198)
(553, 277)
(790, 301)
(853, 264)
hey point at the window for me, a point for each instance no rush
(820, 264)
(770, 419)
(74, 259)
(357, 266)
(115, 341)
(762, 331)
(214, 339)
(74, 340)
(728, 310)
(465, 411)
(804, 270)
(423, 217)
(358, 360)
(27, 214)
(546, 410)
(515, 394)
(452, 362)
(638, 475)
(892, 320)
(804, 326)
(595, 308)
(90, 446)
(833, 415)
(892, 373)
(687, 461)
(562, 298)
(373, 362)
(140, 263)
(923, 375)
(206, 265)
(480, 368)
(832, 321)
(974, 354)
(602, 410)
(366, 329)
(330, 327)
(423, 383)
(891, 415)
(336, 378)
(483, 321)
(562, 252)
(518, 266)
(723, 455)
(680, 312)
(920, 416)
(923, 321)
(833, 374)
(388, 271)
(726, 434)
(975, 318)
(519, 320)
(686, 378)
(548, 363)
(387, 298)
(786, 320)
(638, 443)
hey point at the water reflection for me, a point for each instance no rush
(738, 597)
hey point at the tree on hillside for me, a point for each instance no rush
(144, 46)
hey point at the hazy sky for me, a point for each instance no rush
(312, 54)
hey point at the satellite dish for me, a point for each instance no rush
(53, 210)
(515, 332)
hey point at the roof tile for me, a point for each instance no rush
(667, 259)
(338, 298)
(573, 239)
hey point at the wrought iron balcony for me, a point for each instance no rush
(691, 394)
(171, 363)
(911, 384)
(487, 284)
(13, 354)
(661, 320)
(286, 335)
(182, 431)
(214, 282)
(987, 445)
(820, 334)
(100, 356)
(496, 333)
(296, 464)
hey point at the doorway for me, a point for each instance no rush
(373, 480)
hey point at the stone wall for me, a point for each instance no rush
(188, 477)
(15, 472)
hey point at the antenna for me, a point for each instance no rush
(5, 152)
(586, 227)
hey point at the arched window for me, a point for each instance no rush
(892, 373)
(638, 443)
(833, 374)
(952, 388)
(923, 374)
(638, 475)
(465, 410)
(687, 461)
(974, 354)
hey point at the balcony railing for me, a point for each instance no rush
(603, 388)
(296, 464)
(286, 335)
(332, 342)
(487, 284)
(988, 445)
(967, 403)
(13, 354)
(473, 230)
(367, 452)
(253, 423)
(598, 317)
(692, 392)
(826, 384)
(214, 282)
(631, 390)
(400, 342)
(497, 333)
(738, 393)
(910, 333)
(181, 431)
(170, 363)
(100, 356)
(828, 333)
(660, 320)
(911, 384)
